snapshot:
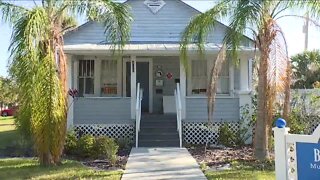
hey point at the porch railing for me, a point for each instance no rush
(138, 112)
(177, 95)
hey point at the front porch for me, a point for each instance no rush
(108, 85)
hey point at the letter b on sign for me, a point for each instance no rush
(308, 161)
(316, 155)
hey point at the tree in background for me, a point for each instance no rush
(38, 62)
(8, 92)
(274, 71)
(306, 69)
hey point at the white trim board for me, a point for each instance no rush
(140, 59)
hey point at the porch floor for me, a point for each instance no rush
(162, 163)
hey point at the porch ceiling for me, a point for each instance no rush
(136, 48)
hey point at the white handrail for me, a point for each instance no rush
(177, 95)
(138, 111)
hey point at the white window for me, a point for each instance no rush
(86, 77)
(200, 78)
(223, 84)
(109, 78)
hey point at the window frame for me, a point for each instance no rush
(92, 76)
(118, 78)
(209, 65)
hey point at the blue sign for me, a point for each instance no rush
(308, 161)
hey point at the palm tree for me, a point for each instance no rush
(274, 71)
(38, 62)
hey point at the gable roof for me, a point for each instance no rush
(147, 28)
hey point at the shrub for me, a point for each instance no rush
(124, 143)
(297, 122)
(70, 147)
(91, 147)
(230, 138)
(241, 135)
(105, 147)
(226, 135)
(85, 146)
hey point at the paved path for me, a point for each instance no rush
(162, 163)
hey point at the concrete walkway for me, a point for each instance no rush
(162, 163)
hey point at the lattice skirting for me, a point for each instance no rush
(196, 133)
(312, 124)
(116, 131)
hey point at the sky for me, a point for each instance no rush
(292, 28)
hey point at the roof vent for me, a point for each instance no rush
(154, 5)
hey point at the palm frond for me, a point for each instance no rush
(244, 14)
(198, 29)
(29, 31)
(115, 16)
(311, 6)
(10, 12)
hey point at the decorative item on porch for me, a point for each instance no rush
(159, 82)
(159, 74)
(109, 89)
(169, 75)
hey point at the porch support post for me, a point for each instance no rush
(245, 96)
(244, 75)
(70, 77)
(133, 85)
(97, 77)
(231, 78)
(183, 89)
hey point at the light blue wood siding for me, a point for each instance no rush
(88, 33)
(166, 26)
(102, 111)
(226, 110)
(166, 64)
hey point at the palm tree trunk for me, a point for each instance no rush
(261, 130)
(287, 93)
(46, 159)
(212, 88)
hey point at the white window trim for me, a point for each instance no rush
(97, 75)
(94, 75)
(209, 65)
(140, 59)
(119, 76)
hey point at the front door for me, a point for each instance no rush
(143, 79)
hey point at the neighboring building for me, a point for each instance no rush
(108, 85)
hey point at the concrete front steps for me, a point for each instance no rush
(158, 131)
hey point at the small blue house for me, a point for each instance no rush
(173, 104)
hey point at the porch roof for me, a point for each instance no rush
(169, 47)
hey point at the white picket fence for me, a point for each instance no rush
(297, 157)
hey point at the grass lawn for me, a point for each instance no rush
(27, 168)
(8, 133)
(22, 168)
(244, 171)
(241, 174)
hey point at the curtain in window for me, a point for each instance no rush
(199, 78)
(109, 80)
